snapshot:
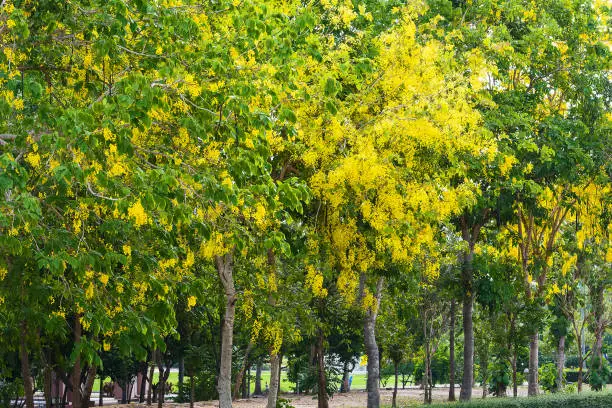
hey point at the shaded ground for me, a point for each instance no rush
(354, 399)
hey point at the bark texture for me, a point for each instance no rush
(560, 362)
(532, 379)
(257, 390)
(468, 327)
(275, 362)
(224, 385)
(371, 347)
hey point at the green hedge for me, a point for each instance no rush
(582, 400)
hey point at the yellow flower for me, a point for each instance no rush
(33, 159)
(103, 278)
(3, 272)
(87, 61)
(18, 104)
(137, 212)
(191, 302)
(89, 292)
(106, 346)
(127, 250)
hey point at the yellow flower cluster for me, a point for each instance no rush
(137, 212)
(191, 302)
(314, 280)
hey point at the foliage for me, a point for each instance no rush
(548, 376)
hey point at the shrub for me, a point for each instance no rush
(582, 400)
(500, 378)
(548, 376)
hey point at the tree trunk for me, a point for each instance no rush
(257, 390)
(150, 378)
(426, 388)
(161, 383)
(394, 401)
(560, 363)
(28, 383)
(48, 381)
(245, 391)
(532, 388)
(91, 378)
(101, 396)
(345, 378)
(321, 378)
(143, 386)
(76, 369)
(372, 350)
(240, 375)
(275, 363)
(451, 358)
(580, 366)
(191, 391)
(181, 372)
(514, 379)
(468, 325)
(249, 381)
(484, 367)
(224, 385)
(599, 327)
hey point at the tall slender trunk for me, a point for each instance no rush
(101, 396)
(468, 325)
(240, 375)
(275, 362)
(191, 391)
(514, 379)
(484, 367)
(76, 369)
(248, 382)
(257, 390)
(28, 383)
(143, 385)
(372, 350)
(599, 327)
(48, 381)
(426, 379)
(161, 383)
(532, 379)
(181, 372)
(560, 363)
(396, 371)
(321, 378)
(580, 369)
(150, 377)
(224, 385)
(451, 351)
(243, 386)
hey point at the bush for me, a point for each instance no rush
(548, 377)
(582, 400)
(500, 378)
